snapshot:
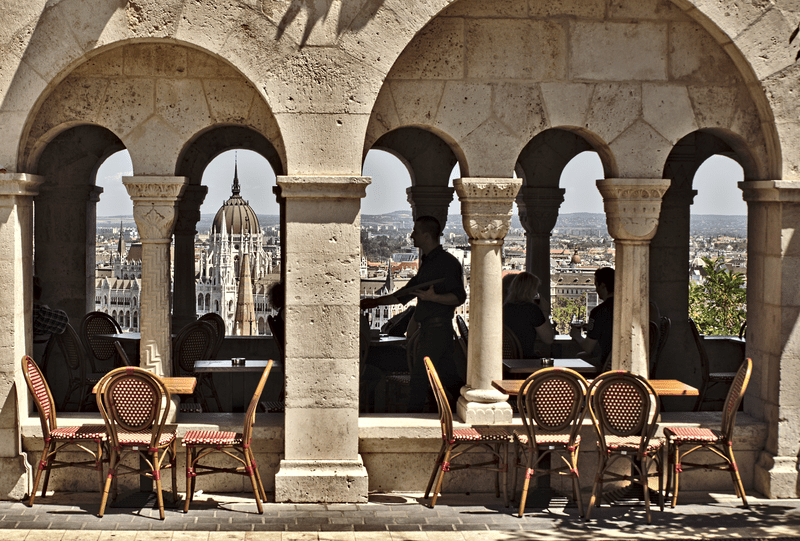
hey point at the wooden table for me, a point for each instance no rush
(663, 387)
(175, 385)
(529, 366)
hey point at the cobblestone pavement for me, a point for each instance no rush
(70, 516)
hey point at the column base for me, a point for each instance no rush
(322, 481)
(14, 477)
(776, 476)
(480, 413)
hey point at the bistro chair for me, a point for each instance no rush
(398, 383)
(551, 404)
(81, 379)
(278, 334)
(100, 350)
(664, 326)
(237, 445)
(463, 333)
(88, 438)
(654, 337)
(624, 411)
(458, 442)
(135, 405)
(718, 442)
(218, 323)
(710, 379)
(512, 349)
(195, 342)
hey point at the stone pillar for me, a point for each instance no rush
(430, 201)
(773, 327)
(538, 212)
(486, 207)
(321, 461)
(184, 301)
(154, 202)
(65, 255)
(17, 191)
(632, 207)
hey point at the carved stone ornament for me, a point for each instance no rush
(154, 221)
(487, 205)
(20, 184)
(538, 208)
(163, 188)
(154, 200)
(632, 206)
(331, 187)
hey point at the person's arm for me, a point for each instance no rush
(368, 303)
(448, 299)
(546, 333)
(49, 321)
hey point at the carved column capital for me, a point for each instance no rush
(771, 191)
(632, 206)
(487, 205)
(538, 208)
(430, 201)
(154, 200)
(316, 187)
(19, 185)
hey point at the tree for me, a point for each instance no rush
(719, 305)
(564, 309)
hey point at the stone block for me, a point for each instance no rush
(492, 150)
(95, 24)
(436, 52)
(263, 121)
(520, 106)
(787, 275)
(322, 383)
(758, 44)
(210, 25)
(587, 9)
(19, 84)
(463, 107)
(640, 152)
(107, 64)
(713, 105)
(153, 146)
(152, 59)
(304, 135)
(336, 237)
(695, 57)
(134, 96)
(331, 280)
(321, 433)
(486, 8)
(416, 101)
(732, 16)
(566, 104)
(182, 103)
(52, 45)
(618, 51)
(661, 10)
(776, 477)
(668, 110)
(322, 481)
(383, 118)
(78, 99)
(201, 65)
(515, 49)
(229, 100)
(334, 329)
(614, 107)
(13, 478)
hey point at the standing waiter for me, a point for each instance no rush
(439, 288)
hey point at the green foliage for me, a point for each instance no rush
(564, 308)
(719, 306)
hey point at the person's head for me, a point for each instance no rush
(277, 295)
(604, 282)
(426, 233)
(524, 288)
(507, 279)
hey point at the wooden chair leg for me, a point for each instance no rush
(190, 478)
(436, 469)
(112, 465)
(737, 479)
(441, 476)
(51, 455)
(676, 474)
(98, 464)
(576, 482)
(174, 467)
(157, 477)
(263, 493)
(597, 489)
(524, 496)
(249, 468)
(43, 463)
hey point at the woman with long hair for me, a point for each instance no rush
(523, 315)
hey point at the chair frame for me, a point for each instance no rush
(625, 432)
(200, 444)
(185, 362)
(139, 432)
(218, 323)
(551, 431)
(512, 349)
(57, 439)
(709, 378)
(664, 326)
(76, 359)
(98, 349)
(456, 443)
(718, 443)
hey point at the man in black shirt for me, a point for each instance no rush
(600, 328)
(439, 288)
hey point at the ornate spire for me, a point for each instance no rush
(235, 188)
(121, 243)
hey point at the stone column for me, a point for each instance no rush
(632, 207)
(17, 191)
(538, 212)
(773, 327)
(486, 207)
(321, 461)
(154, 202)
(184, 299)
(430, 201)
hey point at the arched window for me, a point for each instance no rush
(135, 320)
(200, 301)
(208, 302)
(127, 319)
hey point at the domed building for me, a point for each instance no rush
(235, 233)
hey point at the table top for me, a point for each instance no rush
(387, 340)
(663, 387)
(725, 338)
(529, 366)
(175, 385)
(224, 365)
(123, 336)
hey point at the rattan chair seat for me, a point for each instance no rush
(80, 433)
(621, 443)
(127, 437)
(212, 437)
(481, 434)
(681, 434)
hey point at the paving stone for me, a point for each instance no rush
(269, 527)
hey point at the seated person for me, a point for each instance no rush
(523, 315)
(599, 330)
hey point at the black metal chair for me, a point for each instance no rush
(79, 371)
(710, 379)
(193, 343)
(101, 350)
(219, 327)
(512, 349)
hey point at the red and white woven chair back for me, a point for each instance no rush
(623, 404)
(41, 394)
(554, 399)
(131, 398)
(445, 415)
(735, 396)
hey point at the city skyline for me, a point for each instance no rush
(716, 183)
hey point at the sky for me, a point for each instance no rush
(716, 182)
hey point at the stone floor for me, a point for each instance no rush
(467, 517)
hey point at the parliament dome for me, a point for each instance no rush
(236, 214)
